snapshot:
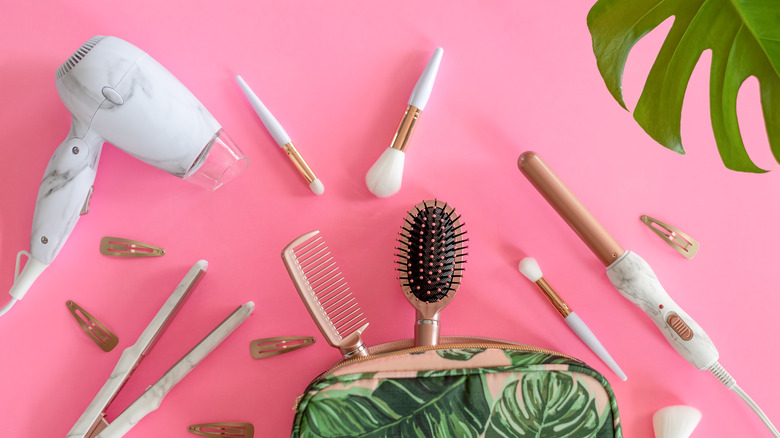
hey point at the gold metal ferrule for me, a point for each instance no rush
(403, 135)
(299, 162)
(554, 298)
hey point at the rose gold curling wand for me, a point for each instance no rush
(633, 278)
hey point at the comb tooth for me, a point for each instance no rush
(319, 279)
(327, 286)
(349, 314)
(358, 323)
(342, 308)
(310, 260)
(342, 304)
(313, 262)
(334, 296)
(306, 247)
(335, 301)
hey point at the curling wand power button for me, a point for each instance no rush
(680, 327)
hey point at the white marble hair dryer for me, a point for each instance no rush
(117, 93)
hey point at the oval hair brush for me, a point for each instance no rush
(430, 261)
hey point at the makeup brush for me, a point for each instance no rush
(282, 139)
(384, 177)
(675, 421)
(530, 268)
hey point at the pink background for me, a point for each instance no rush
(515, 76)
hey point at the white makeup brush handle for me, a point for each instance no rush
(584, 332)
(422, 90)
(636, 281)
(271, 124)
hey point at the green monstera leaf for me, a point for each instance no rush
(744, 36)
(447, 406)
(551, 404)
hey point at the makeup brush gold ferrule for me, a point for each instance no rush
(403, 135)
(299, 162)
(553, 297)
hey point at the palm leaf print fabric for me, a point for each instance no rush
(488, 393)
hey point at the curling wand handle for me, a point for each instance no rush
(636, 281)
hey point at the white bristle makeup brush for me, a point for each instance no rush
(384, 177)
(675, 421)
(533, 272)
(281, 138)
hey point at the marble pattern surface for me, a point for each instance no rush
(131, 355)
(636, 281)
(150, 400)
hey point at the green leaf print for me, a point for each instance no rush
(460, 354)
(523, 358)
(448, 406)
(547, 404)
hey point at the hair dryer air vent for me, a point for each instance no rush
(76, 57)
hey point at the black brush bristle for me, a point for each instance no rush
(430, 255)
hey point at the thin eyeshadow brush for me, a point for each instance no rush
(325, 293)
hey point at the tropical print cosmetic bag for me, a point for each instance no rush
(478, 388)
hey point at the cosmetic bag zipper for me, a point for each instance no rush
(406, 346)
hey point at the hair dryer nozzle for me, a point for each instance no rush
(219, 162)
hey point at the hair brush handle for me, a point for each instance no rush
(426, 330)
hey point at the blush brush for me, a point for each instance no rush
(430, 261)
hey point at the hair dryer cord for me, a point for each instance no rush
(8, 306)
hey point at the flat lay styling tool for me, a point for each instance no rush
(121, 247)
(96, 330)
(675, 421)
(325, 293)
(282, 139)
(430, 258)
(633, 278)
(678, 240)
(93, 422)
(531, 270)
(386, 174)
(268, 347)
(222, 430)
(117, 93)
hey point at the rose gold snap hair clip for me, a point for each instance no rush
(678, 240)
(121, 247)
(225, 429)
(267, 347)
(96, 330)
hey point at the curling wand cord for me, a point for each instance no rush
(718, 371)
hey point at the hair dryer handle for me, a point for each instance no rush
(65, 189)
